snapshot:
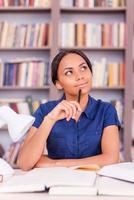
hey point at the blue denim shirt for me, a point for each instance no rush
(71, 139)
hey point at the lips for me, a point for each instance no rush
(81, 85)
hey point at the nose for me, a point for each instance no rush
(78, 76)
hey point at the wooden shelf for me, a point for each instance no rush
(23, 9)
(47, 87)
(25, 48)
(96, 48)
(75, 47)
(108, 88)
(92, 10)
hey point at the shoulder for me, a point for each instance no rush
(102, 105)
(48, 106)
(107, 113)
(42, 111)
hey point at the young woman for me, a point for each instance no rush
(75, 133)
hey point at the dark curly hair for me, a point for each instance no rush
(56, 61)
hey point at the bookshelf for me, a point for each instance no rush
(23, 15)
(26, 12)
(124, 13)
(56, 15)
(129, 82)
(132, 149)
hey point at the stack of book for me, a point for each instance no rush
(116, 179)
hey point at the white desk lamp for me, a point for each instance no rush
(18, 125)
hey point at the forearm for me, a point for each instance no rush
(32, 149)
(100, 160)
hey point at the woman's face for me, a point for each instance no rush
(73, 75)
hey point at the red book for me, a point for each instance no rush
(13, 105)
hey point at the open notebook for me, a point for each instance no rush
(123, 171)
(55, 180)
(116, 179)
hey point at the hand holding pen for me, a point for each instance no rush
(66, 109)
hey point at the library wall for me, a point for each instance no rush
(28, 44)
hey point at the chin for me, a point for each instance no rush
(85, 90)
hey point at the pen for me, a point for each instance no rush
(79, 96)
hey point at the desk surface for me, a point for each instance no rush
(43, 196)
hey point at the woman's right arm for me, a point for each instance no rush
(33, 146)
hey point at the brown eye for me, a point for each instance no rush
(68, 73)
(83, 68)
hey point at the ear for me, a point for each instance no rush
(58, 85)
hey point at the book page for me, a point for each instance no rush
(40, 179)
(22, 183)
(6, 171)
(64, 176)
(123, 171)
(73, 190)
(111, 186)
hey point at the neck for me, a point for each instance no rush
(83, 100)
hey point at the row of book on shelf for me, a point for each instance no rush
(93, 3)
(71, 34)
(108, 74)
(28, 106)
(63, 3)
(26, 3)
(35, 73)
(24, 35)
(92, 35)
(24, 73)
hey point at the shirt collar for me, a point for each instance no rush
(61, 98)
(90, 108)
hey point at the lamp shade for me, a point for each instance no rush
(18, 124)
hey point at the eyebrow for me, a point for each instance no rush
(83, 64)
(70, 68)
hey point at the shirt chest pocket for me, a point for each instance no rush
(56, 147)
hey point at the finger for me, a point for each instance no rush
(77, 105)
(73, 107)
(64, 109)
(70, 110)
